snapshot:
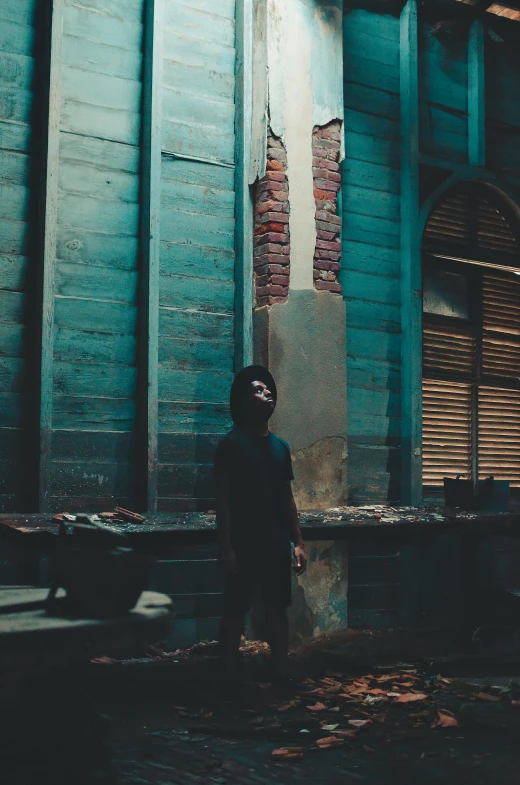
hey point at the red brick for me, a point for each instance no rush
(279, 290)
(334, 176)
(328, 226)
(267, 249)
(269, 227)
(279, 269)
(279, 279)
(335, 267)
(322, 265)
(323, 163)
(325, 245)
(271, 237)
(262, 291)
(325, 185)
(270, 194)
(261, 301)
(315, 274)
(325, 216)
(323, 173)
(286, 249)
(325, 152)
(279, 217)
(332, 256)
(326, 144)
(321, 195)
(328, 285)
(270, 206)
(326, 235)
(328, 132)
(269, 185)
(276, 165)
(329, 276)
(262, 280)
(279, 177)
(329, 205)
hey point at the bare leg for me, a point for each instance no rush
(279, 641)
(230, 632)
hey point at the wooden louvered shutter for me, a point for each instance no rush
(448, 353)
(471, 362)
(499, 407)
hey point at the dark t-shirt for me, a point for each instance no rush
(258, 466)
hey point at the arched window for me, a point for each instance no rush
(471, 339)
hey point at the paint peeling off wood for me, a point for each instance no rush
(100, 121)
(197, 324)
(16, 70)
(201, 81)
(382, 318)
(92, 478)
(198, 141)
(79, 346)
(109, 446)
(84, 180)
(100, 90)
(17, 38)
(116, 32)
(89, 282)
(197, 355)
(185, 417)
(15, 237)
(131, 10)
(96, 315)
(375, 102)
(199, 24)
(15, 105)
(207, 386)
(15, 202)
(79, 246)
(375, 288)
(374, 345)
(198, 228)
(363, 256)
(197, 261)
(200, 54)
(99, 152)
(367, 229)
(13, 374)
(186, 480)
(22, 13)
(373, 374)
(184, 107)
(15, 137)
(183, 292)
(84, 212)
(14, 167)
(13, 339)
(197, 199)
(110, 381)
(15, 273)
(196, 173)
(96, 414)
(371, 125)
(101, 58)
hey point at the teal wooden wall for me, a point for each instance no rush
(370, 255)
(96, 315)
(196, 286)
(19, 167)
(468, 128)
(77, 441)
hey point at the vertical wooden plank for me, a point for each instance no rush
(411, 301)
(49, 251)
(150, 242)
(244, 203)
(476, 95)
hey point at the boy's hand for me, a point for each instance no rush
(301, 559)
(228, 561)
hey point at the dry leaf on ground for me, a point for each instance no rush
(359, 723)
(329, 741)
(445, 719)
(346, 734)
(409, 697)
(317, 707)
(287, 753)
(330, 727)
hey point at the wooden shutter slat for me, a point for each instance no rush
(446, 431)
(499, 434)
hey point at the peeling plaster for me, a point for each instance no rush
(305, 89)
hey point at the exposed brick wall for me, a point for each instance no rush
(271, 227)
(326, 146)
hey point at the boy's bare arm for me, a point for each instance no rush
(296, 534)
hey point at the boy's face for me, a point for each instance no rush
(259, 403)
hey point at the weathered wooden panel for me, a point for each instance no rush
(192, 418)
(186, 480)
(197, 324)
(196, 448)
(20, 129)
(370, 246)
(179, 291)
(196, 354)
(96, 314)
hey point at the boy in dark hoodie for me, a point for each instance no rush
(257, 520)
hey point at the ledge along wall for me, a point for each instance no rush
(118, 228)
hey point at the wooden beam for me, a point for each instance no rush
(49, 231)
(476, 95)
(411, 274)
(150, 246)
(244, 203)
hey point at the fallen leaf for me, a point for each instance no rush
(285, 707)
(287, 753)
(376, 691)
(334, 708)
(379, 718)
(359, 723)
(394, 694)
(445, 719)
(317, 707)
(329, 741)
(485, 696)
(409, 697)
(330, 727)
(333, 689)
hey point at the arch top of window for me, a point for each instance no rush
(471, 223)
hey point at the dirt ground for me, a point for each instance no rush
(365, 714)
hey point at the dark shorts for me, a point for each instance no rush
(269, 574)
